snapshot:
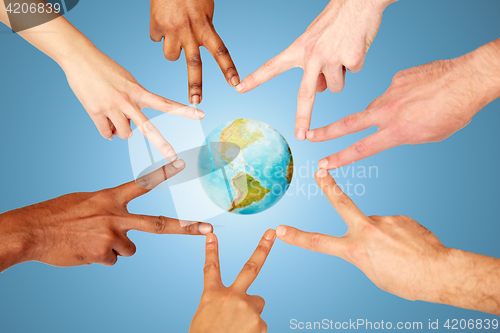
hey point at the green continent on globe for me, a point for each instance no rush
(247, 188)
(239, 134)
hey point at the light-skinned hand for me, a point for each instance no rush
(230, 309)
(337, 39)
(112, 97)
(427, 103)
(109, 93)
(187, 24)
(402, 257)
(85, 228)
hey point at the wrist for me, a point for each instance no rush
(381, 5)
(80, 52)
(15, 246)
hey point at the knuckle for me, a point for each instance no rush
(241, 304)
(314, 50)
(112, 261)
(159, 224)
(262, 248)
(315, 241)
(336, 88)
(194, 60)
(230, 69)
(143, 181)
(349, 121)
(132, 249)
(192, 228)
(102, 254)
(125, 134)
(172, 56)
(167, 102)
(355, 61)
(398, 76)
(209, 266)
(355, 252)
(165, 146)
(270, 65)
(106, 133)
(369, 228)
(344, 201)
(150, 128)
(94, 111)
(195, 85)
(360, 148)
(252, 267)
(221, 51)
(124, 98)
(306, 93)
(251, 79)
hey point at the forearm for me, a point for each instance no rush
(484, 70)
(57, 38)
(471, 281)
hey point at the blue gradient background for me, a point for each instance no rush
(50, 147)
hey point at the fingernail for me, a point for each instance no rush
(195, 99)
(300, 133)
(281, 231)
(323, 164)
(171, 156)
(321, 173)
(210, 238)
(310, 135)
(110, 138)
(269, 235)
(179, 164)
(130, 135)
(240, 87)
(200, 114)
(235, 80)
(205, 228)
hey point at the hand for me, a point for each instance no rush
(187, 24)
(84, 228)
(110, 94)
(402, 257)
(337, 39)
(427, 103)
(231, 309)
(112, 97)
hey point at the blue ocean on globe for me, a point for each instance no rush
(248, 166)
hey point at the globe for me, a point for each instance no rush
(248, 166)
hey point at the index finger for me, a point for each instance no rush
(216, 47)
(349, 212)
(252, 268)
(366, 147)
(131, 190)
(149, 130)
(164, 225)
(312, 241)
(212, 278)
(273, 67)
